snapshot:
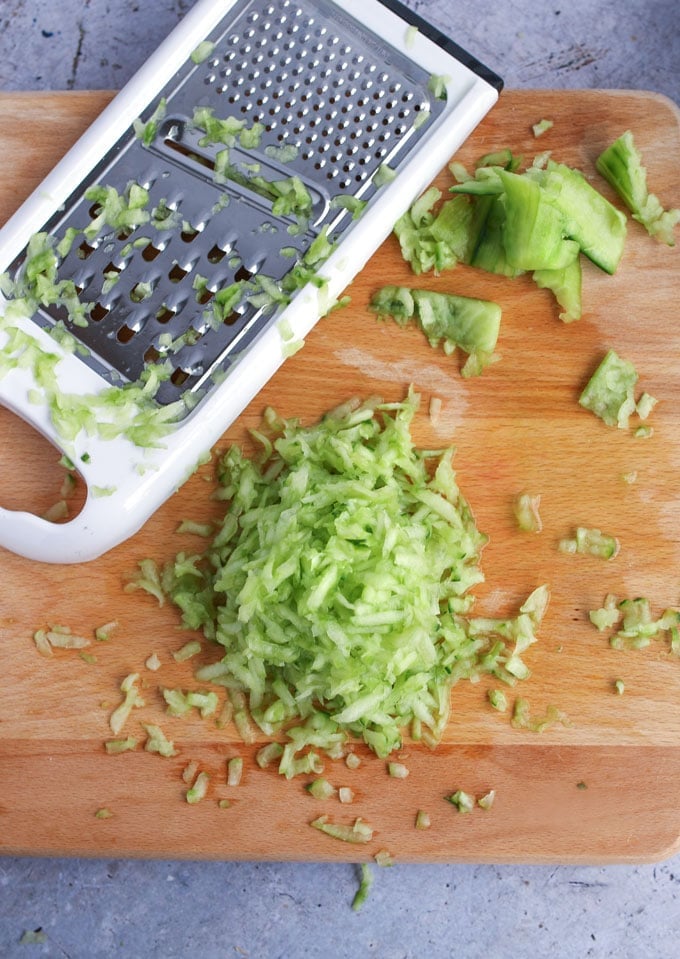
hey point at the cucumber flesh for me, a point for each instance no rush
(534, 229)
(565, 284)
(590, 219)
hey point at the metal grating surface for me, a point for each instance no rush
(338, 101)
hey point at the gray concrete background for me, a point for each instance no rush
(123, 908)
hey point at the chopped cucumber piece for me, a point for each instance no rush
(592, 542)
(621, 165)
(454, 321)
(542, 127)
(534, 229)
(588, 217)
(463, 801)
(610, 391)
(366, 881)
(527, 514)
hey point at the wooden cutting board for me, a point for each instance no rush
(601, 789)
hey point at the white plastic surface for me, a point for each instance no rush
(143, 479)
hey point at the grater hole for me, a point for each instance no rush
(152, 355)
(189, 234)
(98, 312)
(85, 250)
(179, 377)
(125, 334)
(150, 252)
(204, 296)
(242, 274)
(176, 274)
(216, 254)
(164, 315)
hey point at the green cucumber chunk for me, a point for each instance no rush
(534, 229)
(621, 165)
(610, 391)
(590, 219)
(445, 318)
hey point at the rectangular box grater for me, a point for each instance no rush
(202, 225)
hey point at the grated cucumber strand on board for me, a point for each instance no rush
(338, 584)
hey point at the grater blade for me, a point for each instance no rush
(317, 99)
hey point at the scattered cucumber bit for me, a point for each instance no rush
(522, 719)
(526, 509)
(190, 649)
(487, 800)
(321, 789)
(397, 770)
(497, 699)
(359, 832)
(234, 771)
(131, 699)
(589, 541)
(542, 127)
(637, 627)
(202, 51)
(463, 801)
(116, 746)
(365, 883)
(158, 742)
(607, 615)
(199, 790)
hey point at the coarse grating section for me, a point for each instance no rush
(336, 104)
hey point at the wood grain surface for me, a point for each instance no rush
(601, 789)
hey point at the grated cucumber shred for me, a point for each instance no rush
(158, 742)
(462, 800)
(365, 883)
(522, 718)
(338, 586)
(116, 746)
(423, 819)
(234, 771)
(131, 699)
(358, 832)
(526, 509)
(637, 626)
(199, 790)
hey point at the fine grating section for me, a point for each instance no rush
(327, 93)
(332, 104)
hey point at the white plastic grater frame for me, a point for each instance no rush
(142, 479)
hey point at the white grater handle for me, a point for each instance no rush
(125, 483)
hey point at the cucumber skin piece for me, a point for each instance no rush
(590, 219)
(621, 166)
(486, 249)
(533, 234)
(472, 324)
